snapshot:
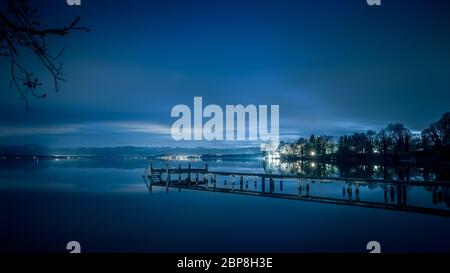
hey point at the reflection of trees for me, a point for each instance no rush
(356, 171)
(348, 170)
(308, 168)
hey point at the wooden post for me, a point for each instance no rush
(349, 191)
(357, 192)
(404, 195)
(206, 167)
(263, 184)
(232, 183)
(399, 194)
(271, 185)
(167, 172)
(189, 172)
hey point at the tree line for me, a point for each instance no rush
(394, 141)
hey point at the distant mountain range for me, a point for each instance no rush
(38, 150)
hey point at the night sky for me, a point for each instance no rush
(334, 67)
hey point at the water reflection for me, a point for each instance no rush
(386, 172)
(49, 202)
(420, 197)
(316, 186)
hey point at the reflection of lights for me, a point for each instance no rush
(272, 160)
(313, 164)
(273, 155)
(313, 153)
(180, 157)
(376, 151)
(376, 167)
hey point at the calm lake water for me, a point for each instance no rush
(106, 205)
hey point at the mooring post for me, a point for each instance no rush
(281, 185)
(299, 185)
(189, 172)
(399, 194)
(256, 181)
(392, 193)
(167, 172)
(246, 182)
(179, 173)
(350, 191)
(404, 195)
(357, 192)
(263, 184)
(150, 168)
(271, 185)
(206, 167)
(196, 179)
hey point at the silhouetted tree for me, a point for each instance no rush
(383, 141)
(400, 137)
(20, 30)
(301, 143)
(438, 134)
(323, 144)
(358, 143)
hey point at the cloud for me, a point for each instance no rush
(8, 131)
(137, 127)
(108, 126)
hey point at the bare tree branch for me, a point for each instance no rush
(20, 29)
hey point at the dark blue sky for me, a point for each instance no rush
(334, 67)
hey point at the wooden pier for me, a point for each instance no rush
(395, 192)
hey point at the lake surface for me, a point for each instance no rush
(107, 206)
